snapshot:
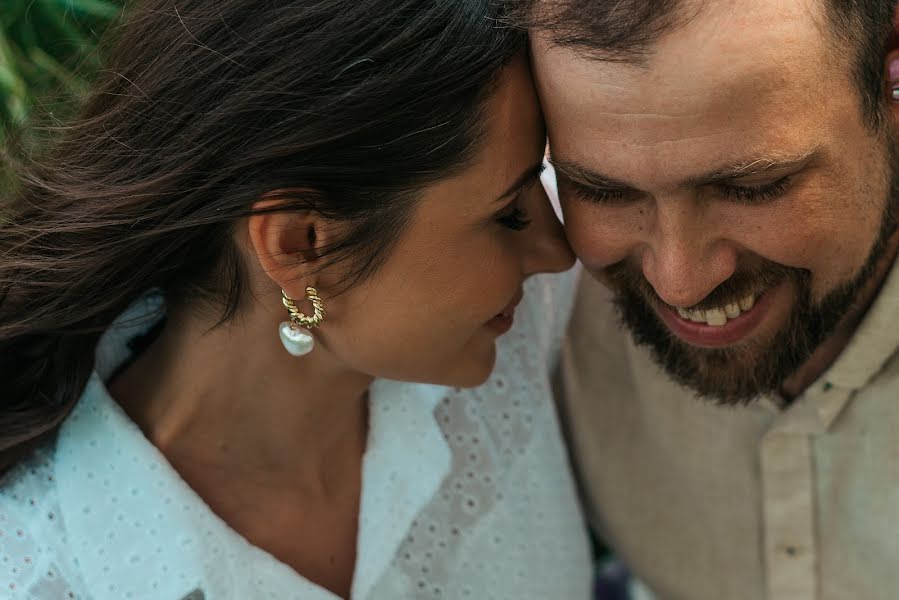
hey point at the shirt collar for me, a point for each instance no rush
(872, 344)
(405, 463)
(129, 522)
(140, 531)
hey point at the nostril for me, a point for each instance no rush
(679, 291)
(684, 298)
(683, 276)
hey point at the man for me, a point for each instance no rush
(729, 175)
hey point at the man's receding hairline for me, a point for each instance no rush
(560, 30)
(678, 17)
(595, 31)
(561, 24)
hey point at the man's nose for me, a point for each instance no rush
(685, 258)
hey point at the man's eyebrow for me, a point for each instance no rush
(762, 164)
(530, 175)
(584, 176)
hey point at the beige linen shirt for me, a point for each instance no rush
(714, 503)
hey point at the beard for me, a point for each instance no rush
(737, 375)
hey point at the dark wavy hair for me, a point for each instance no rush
(352, 106)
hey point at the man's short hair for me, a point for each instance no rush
(624, 31)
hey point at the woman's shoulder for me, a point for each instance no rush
(27, 484)
(33, 538)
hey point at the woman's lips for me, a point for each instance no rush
(503, 322)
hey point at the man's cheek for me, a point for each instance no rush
(597, 242)
(586, 241)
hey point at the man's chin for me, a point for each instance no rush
(727, 376)
(752, 366)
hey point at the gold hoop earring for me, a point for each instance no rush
(295, 334)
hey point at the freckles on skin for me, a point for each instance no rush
(599, 236)
(706, 86)
(753, 88)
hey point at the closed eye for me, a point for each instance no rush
(514, 218)
(605, 196)
(756, 193)
(740, 193)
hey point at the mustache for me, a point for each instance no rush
(623, 276)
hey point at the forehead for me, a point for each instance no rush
(512, 142)
(733, 67)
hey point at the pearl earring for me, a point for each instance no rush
(295, 334)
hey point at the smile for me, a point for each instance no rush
(718, 317)
(721, 326)
(503, 321)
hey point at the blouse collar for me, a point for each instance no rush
(140, 531)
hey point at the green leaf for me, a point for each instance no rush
(55, 27)
(48, 54)
(12, 87)
(74, 84)
(18, 112)
(94, 8)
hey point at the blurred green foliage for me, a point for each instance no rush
(47, 54)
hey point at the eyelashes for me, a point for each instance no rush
(757, 194)
(610, 197)
(514, 217)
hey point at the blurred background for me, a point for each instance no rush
(48, 54)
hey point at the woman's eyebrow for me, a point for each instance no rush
(530, 174)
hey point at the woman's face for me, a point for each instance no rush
(433, 311)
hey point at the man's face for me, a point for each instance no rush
(727, 189)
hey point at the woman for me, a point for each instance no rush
(268, 210)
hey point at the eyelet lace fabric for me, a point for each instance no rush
(466, 494)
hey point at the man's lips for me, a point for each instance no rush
(719, 334)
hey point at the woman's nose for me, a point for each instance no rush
(546, 250)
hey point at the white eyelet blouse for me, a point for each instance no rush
(466, 494)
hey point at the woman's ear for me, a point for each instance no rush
(287, 243)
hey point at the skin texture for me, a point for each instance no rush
(736, 86)
(274, 443)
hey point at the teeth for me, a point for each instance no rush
(732, 310)
(716, 317)
(747, 302)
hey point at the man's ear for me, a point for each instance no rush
(287, 244)
(892, 68)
